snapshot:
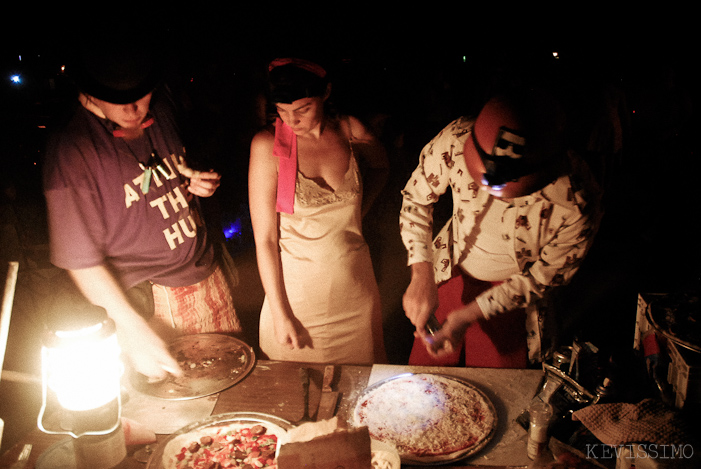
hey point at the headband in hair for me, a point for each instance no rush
(311, 67)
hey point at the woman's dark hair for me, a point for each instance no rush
(293, 79)
(290, 79)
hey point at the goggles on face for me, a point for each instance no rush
(506, 161)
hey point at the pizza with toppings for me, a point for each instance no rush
(427, 417)
(236, 445)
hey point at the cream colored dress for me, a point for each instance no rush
(328, 275)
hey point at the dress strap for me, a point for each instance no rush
(350, 136)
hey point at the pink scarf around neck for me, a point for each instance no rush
(285, 148)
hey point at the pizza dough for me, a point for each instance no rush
(425, 415)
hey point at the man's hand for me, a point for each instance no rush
(146, 351)
(202, 184)
(421, 297)
(205, 184)
(452, 332)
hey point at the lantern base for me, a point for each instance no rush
(88, 451)
(58, 455)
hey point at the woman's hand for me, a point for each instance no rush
(290, 333)
(286, 334)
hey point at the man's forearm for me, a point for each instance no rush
(100, 287)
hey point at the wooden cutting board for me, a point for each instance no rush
(272, 388)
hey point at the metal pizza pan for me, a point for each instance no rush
(211, 363)
(434, 460)
(172, 444)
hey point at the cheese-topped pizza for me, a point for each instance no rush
(236, 445)
(426, 415)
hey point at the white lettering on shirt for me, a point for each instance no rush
(174, 236)
(130, 195)
(177, 198)
(160, 203)
(190, 231)
(178, 202)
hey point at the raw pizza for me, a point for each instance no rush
(236, 445)
(426, 416)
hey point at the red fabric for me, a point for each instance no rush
(285, 148)
(499, 342)
(120, 133)
(204, 307)
(650, 345)
(301, 63)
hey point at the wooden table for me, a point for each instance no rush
(274, 388)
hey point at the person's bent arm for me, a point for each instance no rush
(262, 189)
(421, 297)
(428, 182)
(146, 350)
(421, 300)
(452, 331)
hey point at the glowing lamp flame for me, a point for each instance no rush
(85, 370)
(81, 368)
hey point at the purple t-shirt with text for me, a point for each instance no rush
(99, 215)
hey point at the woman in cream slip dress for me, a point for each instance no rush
(328, 275)
(327, 278)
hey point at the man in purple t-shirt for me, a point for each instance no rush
(123, 210)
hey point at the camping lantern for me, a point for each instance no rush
(81, 373)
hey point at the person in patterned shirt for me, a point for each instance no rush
(525, 212)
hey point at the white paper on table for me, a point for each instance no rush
(165, 416)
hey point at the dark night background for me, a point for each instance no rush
(626, 78)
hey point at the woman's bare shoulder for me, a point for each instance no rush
(357, 128)
(266, 135)
(263, 142)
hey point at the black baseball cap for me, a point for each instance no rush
(119, 73)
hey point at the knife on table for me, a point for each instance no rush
(329, 398)
(23, 457)
(304, 379)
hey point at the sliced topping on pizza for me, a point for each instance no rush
(231, 446)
